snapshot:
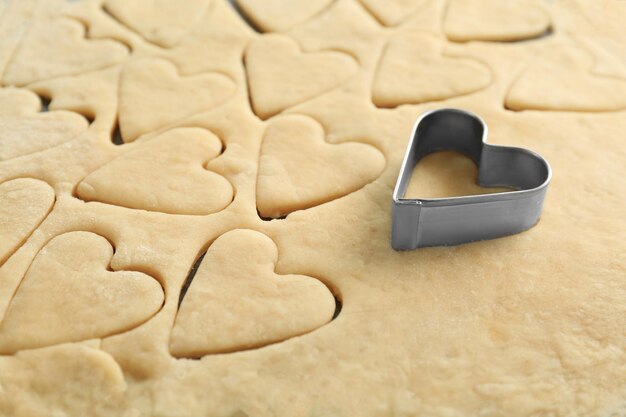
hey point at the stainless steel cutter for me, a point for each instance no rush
(455, 220)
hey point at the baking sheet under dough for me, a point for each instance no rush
(527, 325)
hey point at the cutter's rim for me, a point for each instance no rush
(475, 198)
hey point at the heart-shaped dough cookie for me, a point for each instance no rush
(163, 22)
(562, 79)
(281, 76)
(70, 294)
(280, 15)
(57, 48)
(153, 95)
(18, 102)
(163, 174)
(93, 372)
(298, 169)
(236, 301)
(24, 203)
(35, 132)
(495, 20)
(413, 70)
(392, 12)
(93, 95)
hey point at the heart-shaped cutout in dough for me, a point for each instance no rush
(280, 15)
(164, 174)
(281, 76)
(562, 79)
(236, 301)
(70, 294)
(163, 22)
(24, 131)
(495, 20)
(414, 70)
(298, 169)
(17, 102)
(153, 95)
(24, 204)
(57, 48)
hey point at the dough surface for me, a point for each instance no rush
(195, 215)
(262, 307)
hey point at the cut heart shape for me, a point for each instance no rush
(163, 22)
(24, 135)
(392, 12)
(413, 70)
(93, 95)
(281, 76)
(573, 87)
(24, 204)
(16, 102)
(236, 301)
(421, 222)
(96, 378)
(495, 20)
(57, 48)
(164, 174)
(153, 95)
(298, 169)
(69, 294)
(280, 15)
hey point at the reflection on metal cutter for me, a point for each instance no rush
(455, 220)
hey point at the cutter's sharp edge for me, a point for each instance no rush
(456, 220)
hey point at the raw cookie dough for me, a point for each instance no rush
(35, 131)
(178, 182)
(575, 88)
(142, 277)
(90, 94)
(263, 307)
(24, 203)
(281, 15)
(446, 174)
(495, 20)
(280, 76)
(163, 22)
(16, 102)
(153, 95)
(392, 12)
(413, 70)
(56, 47)
(70, 294)
(297, 169)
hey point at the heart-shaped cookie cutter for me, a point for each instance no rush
(455, 220)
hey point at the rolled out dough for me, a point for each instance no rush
(199, 222)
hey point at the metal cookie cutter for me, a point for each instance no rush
(455, 220)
